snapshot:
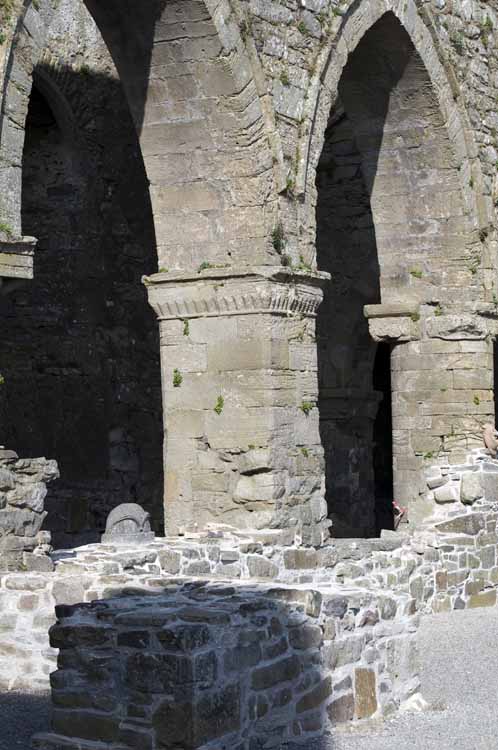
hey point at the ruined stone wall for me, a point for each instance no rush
(23, 488)
(210, 665)
(234, 103)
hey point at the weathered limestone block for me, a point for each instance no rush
(448, 493)
(472, 488)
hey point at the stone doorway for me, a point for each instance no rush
(79, 346)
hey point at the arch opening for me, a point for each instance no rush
(79, 345)
(391, 228)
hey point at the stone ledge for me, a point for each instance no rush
(16, 258)
(396, 322)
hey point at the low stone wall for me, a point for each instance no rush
(452, 564)
(202, 665)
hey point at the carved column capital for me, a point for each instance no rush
(220, 292)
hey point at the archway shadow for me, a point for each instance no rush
(347, 247)
(80, 344)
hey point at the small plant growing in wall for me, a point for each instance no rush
(476, 400)
(284, 78)
(177, 378)
(302, 28)
(303, 266)
(416, 273)
(245, 28)
(220, 403)
(486, 30)
(306, 407)
(204, 266)
(305, 452)
(438, 311)
(457, 41)
(278, 238)
(186, 328)
(6, 229)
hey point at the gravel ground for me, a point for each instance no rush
(20, 717)
(460, 677)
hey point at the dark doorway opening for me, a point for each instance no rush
(495, 379)
(355, 199)
(80, 346)
(383, 441)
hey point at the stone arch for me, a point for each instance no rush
(323, 92)
(84, 396)
(208, 152)
(396, 228)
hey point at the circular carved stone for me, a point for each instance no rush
(128, 523)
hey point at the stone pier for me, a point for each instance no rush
(242, 444)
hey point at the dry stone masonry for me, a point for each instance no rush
(23, 543)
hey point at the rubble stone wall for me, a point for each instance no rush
(23, 488)
(451, 564)
(203, 664)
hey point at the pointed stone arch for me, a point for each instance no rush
(387, 134)
(323, 92)
(222, 122)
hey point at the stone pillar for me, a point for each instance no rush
(242, 444)
(442, 393)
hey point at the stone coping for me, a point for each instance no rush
(271, 273)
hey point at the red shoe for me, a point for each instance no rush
(399, 514)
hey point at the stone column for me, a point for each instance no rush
(442, 393)
(242, 444)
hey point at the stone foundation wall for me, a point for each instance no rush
(202, 665)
